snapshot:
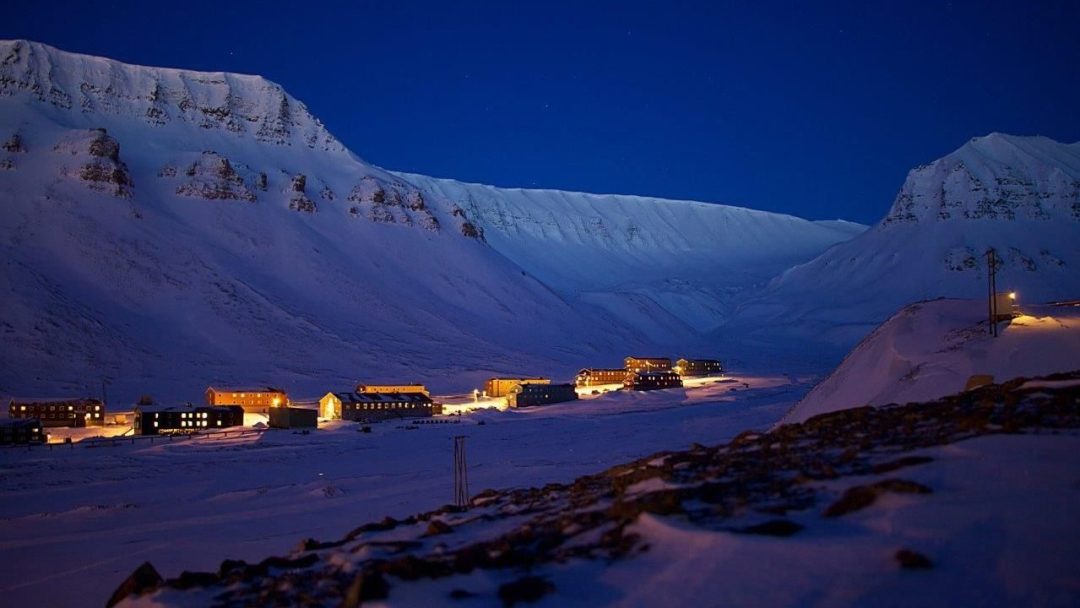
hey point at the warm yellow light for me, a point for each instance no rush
(1012, 295)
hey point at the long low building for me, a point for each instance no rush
(596, 376)
(500, 387)
(650, 381)
(698, 367)
(647, 364)
(155, 419)
(376, 406)
(257, 400)
(525, 395)
(63, 411)
(21, 431)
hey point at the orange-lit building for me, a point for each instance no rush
(593, 376)
(257, 400)
(647, 364)
(392, 388)
(369, 406)
(500, 387)
(78, 412)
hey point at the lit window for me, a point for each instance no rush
(155, 424)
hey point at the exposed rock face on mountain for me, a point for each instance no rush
(250, 246)
(1016, 195)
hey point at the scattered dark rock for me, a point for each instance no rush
(899, 463)
(144, 579)
(860, 497)
(912, 560)
(461, 594)
(366, 587)
(437, 527)
(773, 527)
(526, 589)
(188, 580)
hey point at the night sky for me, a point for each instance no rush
(812, 108)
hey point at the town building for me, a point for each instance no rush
(21, 431)
(256, 400)
(366, 406)
(155, 419)
(698, 367)
(650, 381)
(647, 364)
(293, 418)
(500, 387)
(73, 412)
(525, 395)
(593, 376)
(392, 388)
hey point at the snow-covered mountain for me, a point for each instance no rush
(165, 229)
(1018, 195)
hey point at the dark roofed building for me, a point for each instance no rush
(650, 381)
(21, 431)
(647, 364)
(293, 418)
(698, 367)
(524, 395)
(155, 419)
(73, 412)
(594, 376)
(375, 406)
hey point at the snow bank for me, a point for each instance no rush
(930, 349)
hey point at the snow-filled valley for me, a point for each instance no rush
(163, 230)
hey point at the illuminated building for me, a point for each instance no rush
(156, 419)
(500, 387)
(524, 395)
(650, 381)
(698, 367)
(593, 376)
(647, 364)
(256, 400)
(78, 412)
(376, 406)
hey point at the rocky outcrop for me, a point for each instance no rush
(827, 460)
(467, 227)
(97, 162)
(238, 105)
(391, 203)
(997, 177)
(298, 198)
(213, 177)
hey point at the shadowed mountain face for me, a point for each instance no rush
(164, 229)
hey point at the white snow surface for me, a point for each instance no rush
(215, 232)
(930, 349)
(75, 520)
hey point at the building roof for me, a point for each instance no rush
(654, 358)
(182, 408)
(352, 397)
(512, 378)
(32, 400)
(523, 388)
(20, 422)
(244, 389)
(603, 369)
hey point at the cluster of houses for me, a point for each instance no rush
(225, 406)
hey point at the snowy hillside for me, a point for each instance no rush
(165, 229)
(1019, 195)
(930, 349)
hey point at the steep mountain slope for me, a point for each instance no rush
(164, 229)
(930, 349)
(1018, 195)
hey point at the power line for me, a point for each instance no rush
(461, 473)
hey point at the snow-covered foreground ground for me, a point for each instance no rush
(75, 521)
(1000, 526)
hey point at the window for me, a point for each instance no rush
(155, 424)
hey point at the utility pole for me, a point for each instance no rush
(461, 473)
(991, 278)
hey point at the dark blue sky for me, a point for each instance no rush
(811, 108)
